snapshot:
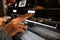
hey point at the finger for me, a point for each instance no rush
(13, 32)
(18, 30)
(26, 15)
(23, 26)
(22, 18)
(21, 30)
(20, 26)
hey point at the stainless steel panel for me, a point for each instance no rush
(29, 36)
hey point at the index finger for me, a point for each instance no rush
(23, 17)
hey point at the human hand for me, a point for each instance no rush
(15, 25)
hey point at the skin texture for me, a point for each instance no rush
(15, 25)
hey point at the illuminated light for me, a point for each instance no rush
(14, 11)
(31, 11)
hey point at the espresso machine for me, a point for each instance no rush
(37, 30)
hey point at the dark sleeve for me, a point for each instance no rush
(4, 35)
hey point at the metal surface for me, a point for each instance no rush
(46, 31)
(29, 36)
